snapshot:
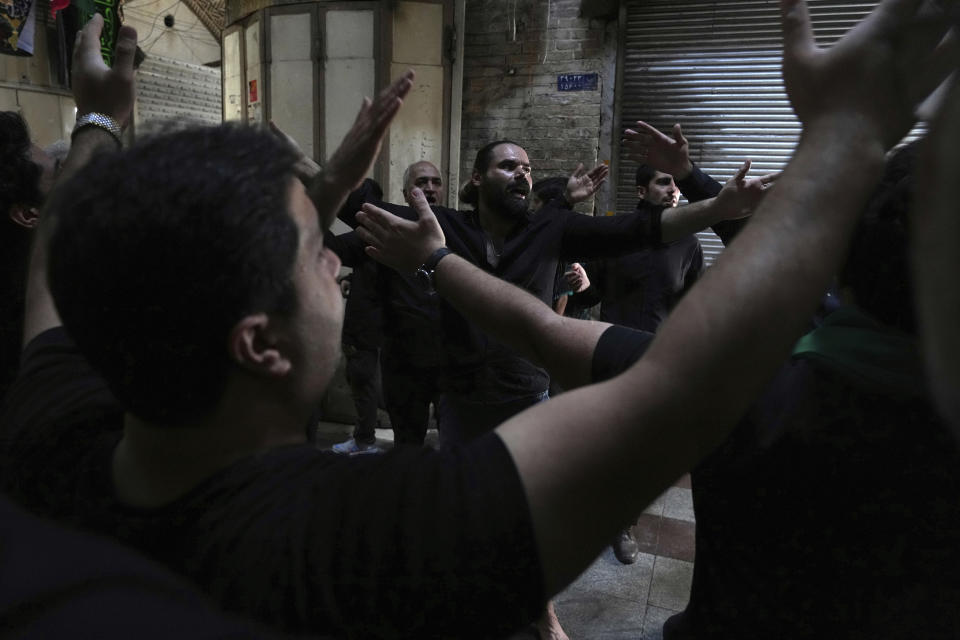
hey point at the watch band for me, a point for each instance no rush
(430, 264)
(100, 120)
(424, 273)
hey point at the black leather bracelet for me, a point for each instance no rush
(424, 273)
(430, 264)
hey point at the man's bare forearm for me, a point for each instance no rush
(707, 363)
(936, 256)
(680, 222)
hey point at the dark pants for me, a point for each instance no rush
(464, 420)
(362, 376)
(408, 391)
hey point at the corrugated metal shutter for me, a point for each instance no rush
(168, 88)
(714, 67)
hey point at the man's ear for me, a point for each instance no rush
(641, 192)
(27, 217)
(475, 178)
(253, 345)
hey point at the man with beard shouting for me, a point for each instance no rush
(485, 381)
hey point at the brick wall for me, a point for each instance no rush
(510, 85)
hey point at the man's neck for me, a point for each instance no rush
(155, 464)
(496, 223)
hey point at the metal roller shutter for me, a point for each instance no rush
(714, 67)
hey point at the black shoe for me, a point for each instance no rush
(625, 546)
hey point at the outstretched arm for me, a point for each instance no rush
(936, 255)
(97, 88)
(671, 154)
(737, 199)
(563, 346)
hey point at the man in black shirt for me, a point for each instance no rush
(204, 463)
(413, 343)
(485, 381)
(362, 340)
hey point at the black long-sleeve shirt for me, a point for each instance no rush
(478, 367)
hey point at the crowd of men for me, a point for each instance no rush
(182, 316)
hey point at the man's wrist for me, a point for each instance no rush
(425, 272)
(99, 121)
(434, 257)
(684, 173)
(94, 137)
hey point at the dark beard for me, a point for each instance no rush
(505, 202)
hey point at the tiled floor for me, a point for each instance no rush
(612, 601)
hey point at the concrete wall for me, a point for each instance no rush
(511, 62)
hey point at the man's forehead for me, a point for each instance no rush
(508, 151)
(423, 169)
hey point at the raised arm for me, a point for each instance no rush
(353, 159)
(936, 255)
(645, 144)
(97, 88)
(628, 438)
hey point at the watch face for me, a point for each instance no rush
(425, 279)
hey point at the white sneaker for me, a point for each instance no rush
(352, 448)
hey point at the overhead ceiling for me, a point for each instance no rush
(211, 13)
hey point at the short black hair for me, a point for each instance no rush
(877, 269)
(549, 189)
(159, 250)
(19, 180)
(469, 194)
(644, 175)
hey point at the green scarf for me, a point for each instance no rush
(873, 356)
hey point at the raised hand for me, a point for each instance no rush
(577, 277)
(872, 79)
(648, 145)
(741, 195)
(401, 244)
(355, 156)
(583, 184)
(98, 88)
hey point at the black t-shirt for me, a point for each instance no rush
(617, 349)
(831, 511)
(414, 543)
(56, 583)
